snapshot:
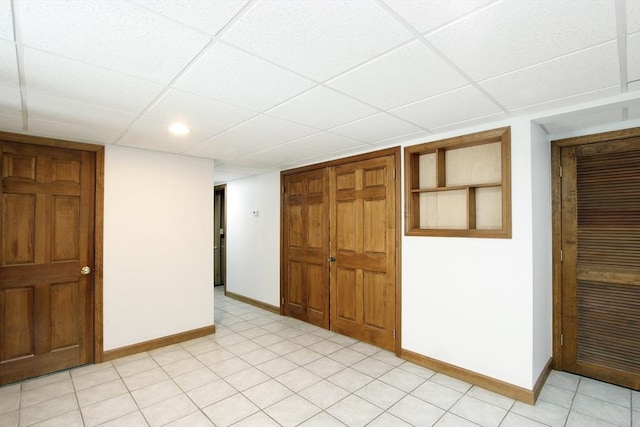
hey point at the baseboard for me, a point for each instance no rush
(157, 343)
(255, 303)
(506, 389)
(537, 388)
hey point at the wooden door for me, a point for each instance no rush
(601, 260)
(306, 247)
(363, 243)
(47, 237)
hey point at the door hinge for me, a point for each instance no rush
(561, 256)
(283, 189)
(394, 174)
(561, 340)
(282, 301)
(560, 171)
(394, 334)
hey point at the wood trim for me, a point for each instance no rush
(506, 389)
(398, 243)
(439, 148)
(98, 253)
(157, 343)
(556, 222)
(255, 303)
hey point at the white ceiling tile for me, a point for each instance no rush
(405, 75)
(49, 74)
(452, 107)
(62, 118)
(265, 131)
(10, 101)
(6, 20)
(325, 142)
(476, 121)
(114, 34)
(514, 34)
(633, 16)
(205, 15)
(230, 75)
(10, 109)
(633, 57)
(322, 108)
(427, 15)
(318, 39)
(223, 147)
(280, 156)
(184, 107)
(569, 100)
(403, 138)
(584, 71)
(376, 128)
(8, 64)
(153, 134)
(10, 123)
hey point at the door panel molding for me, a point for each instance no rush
(64, 172)
(370, 177)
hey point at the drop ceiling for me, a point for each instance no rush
(271, 84)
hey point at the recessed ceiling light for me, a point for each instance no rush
(179, 129)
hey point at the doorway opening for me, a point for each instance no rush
(219, 238)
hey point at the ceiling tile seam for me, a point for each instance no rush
(225, 28)
(548, 61)
(22, 81)
(441, 55)
(190, 64)
(167, 88)
(463, 17)
(621, 27)
(330, 133)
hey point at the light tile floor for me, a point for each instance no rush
(261, 369)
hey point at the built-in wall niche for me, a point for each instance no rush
(460, 186)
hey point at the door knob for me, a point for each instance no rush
(332, 259)
(85, 270)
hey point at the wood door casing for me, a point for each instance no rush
(305, 213)
(363, 275)
(47, 201)
(600, 269)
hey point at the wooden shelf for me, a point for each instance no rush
(460, 186)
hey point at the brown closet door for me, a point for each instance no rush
(306, 245)
(362, 200)
(46, 236)
(601, 267)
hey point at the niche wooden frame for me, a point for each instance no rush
(437, 150)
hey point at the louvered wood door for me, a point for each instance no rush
(363, 276)
(601, 260)
(306, 247)
(46, 236)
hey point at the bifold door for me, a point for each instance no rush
(339, 248)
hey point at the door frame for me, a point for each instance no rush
(395, 151)
(99, 152)
(223, 251)
(556, 224)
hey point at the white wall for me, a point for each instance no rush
(542, 262)
(158, 245)
(468, 301)
(253, 242)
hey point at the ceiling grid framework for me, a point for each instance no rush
(271, 84)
